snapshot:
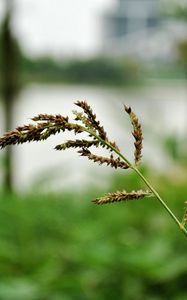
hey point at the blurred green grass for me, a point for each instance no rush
(61, 246)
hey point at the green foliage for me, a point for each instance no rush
(175, 148)
(98, 70)
(177, 10)
(182, 52)
(101, 71)
(64, 247)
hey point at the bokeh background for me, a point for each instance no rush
(54, 243)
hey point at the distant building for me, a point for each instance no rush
(135, 27)
(131, 16)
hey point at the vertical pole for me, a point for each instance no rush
(9, 86)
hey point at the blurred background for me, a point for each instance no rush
(54, 243)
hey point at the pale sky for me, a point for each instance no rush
(59, 26)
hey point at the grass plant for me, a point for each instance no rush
(86, 122)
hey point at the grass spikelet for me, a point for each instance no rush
(92, 124)
(92, 119)
(137, 133)
(79, 116)
(76, 144)
(114, 163)
(56, 119)
(121, 196)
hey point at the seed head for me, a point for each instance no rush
(121, 196)
(76, 144)
(114, 163)
(137, 134)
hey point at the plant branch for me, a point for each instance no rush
(134, 168)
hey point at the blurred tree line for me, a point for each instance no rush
(97, 70)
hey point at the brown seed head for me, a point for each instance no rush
(76, 144)
(57, 119)
(91, 123)
(114, 163)
(92, 118)
(137, 134)
(122, 196)
(39, 132)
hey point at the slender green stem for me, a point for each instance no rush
(181, 226)
(134, 168)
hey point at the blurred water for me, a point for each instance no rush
(161, 107)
